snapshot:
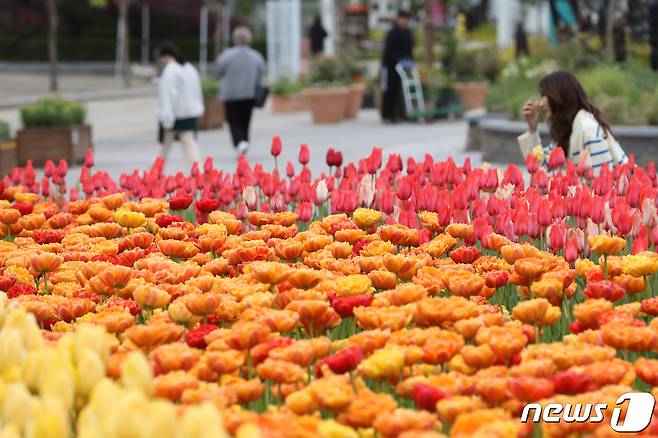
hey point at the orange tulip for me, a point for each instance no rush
(270, 272)
(442, 347)
(289, 250)
(279, 371)
(314, 314)
(202, 304)
(178, 249)
(175, 356)
(341, 250)
(536, 312)
(115, 277)
(151, 297)
(305, 278)
(45, 262)
(246, 335)
(382, 279)
(481, 356)
(647, 370)
(464, 283)
(392, 424)
(460, 231)
(9, 216)
(172, 385)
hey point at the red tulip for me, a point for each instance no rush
(89, 158)
(344, 306)
(207, 205)
(374, 161)
(261, 351)
(62, 169)
(573, 382)
(180, 202)
(640, 244)
(531, 163)
(388, 201)
(290, 170)
(496, 279)
(276, 148)
(404, 189)
(342, 362)
(304, 155)
(571, 249)
(7, 281)
(24, 207)
(465, 254)
(195, 337)
(557, 235)
(331, 157)
(304, 211)
(531, 389)
(426, 396)
(556, 158)
(20, 289)
(604, 289)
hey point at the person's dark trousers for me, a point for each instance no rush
(391, 100)
(654, 58)
(238, 116)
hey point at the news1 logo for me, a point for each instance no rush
(638, 412)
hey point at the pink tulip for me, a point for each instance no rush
(304, 155)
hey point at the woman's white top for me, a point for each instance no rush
(586, 135)
(179, 94)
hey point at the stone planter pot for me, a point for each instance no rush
(327, 105)
(7, 156)
(53, 143)
(213, 116)
(289, 103)
(472, 94)
(357, 90)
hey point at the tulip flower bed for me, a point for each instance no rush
(370, 301)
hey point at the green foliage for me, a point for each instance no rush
(476, 65)
(330, 72)
(624, 94)
(4, 130)
(209, 87)
(285, 87)
(52, 111)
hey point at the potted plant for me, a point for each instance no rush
(7, 149)
(287, 96)
(473, 70)
(328, 95)
(53, 129)
(213, 116)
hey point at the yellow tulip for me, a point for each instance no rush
(90, 371)
(10, 431)
(333, 429)
(11, 349)
(353, 285)
(203, 421)
(248, 430)
(129, 219)
(49, 420)
(90, 337)
(58, 383)
(33, 367)
(162, 420)
(136, 373)
(639, 265)
(17, 406)
(211, 228)
(383, 363)
(366, 217)
(26, 325)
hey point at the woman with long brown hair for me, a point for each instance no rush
(575, 124)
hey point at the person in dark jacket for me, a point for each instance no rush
(521, 41)
(317, 34)
(399, 46)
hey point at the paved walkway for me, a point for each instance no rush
(125, 137)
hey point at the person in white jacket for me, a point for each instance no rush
(575, 124)
(180, 102)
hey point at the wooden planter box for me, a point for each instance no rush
(472, 94)
(288, 104)
(213, 117)
(327, 105)
(357, 90)
(7, 156)
(53, 143)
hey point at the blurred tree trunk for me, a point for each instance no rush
(52, 44)
(609, 29)
(427, 34)
(124, 41)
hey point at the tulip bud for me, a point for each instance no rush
(275, 150)
(321, 192)
(136, 373)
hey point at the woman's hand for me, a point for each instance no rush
(531, 114)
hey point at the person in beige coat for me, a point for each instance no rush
(575, 124)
